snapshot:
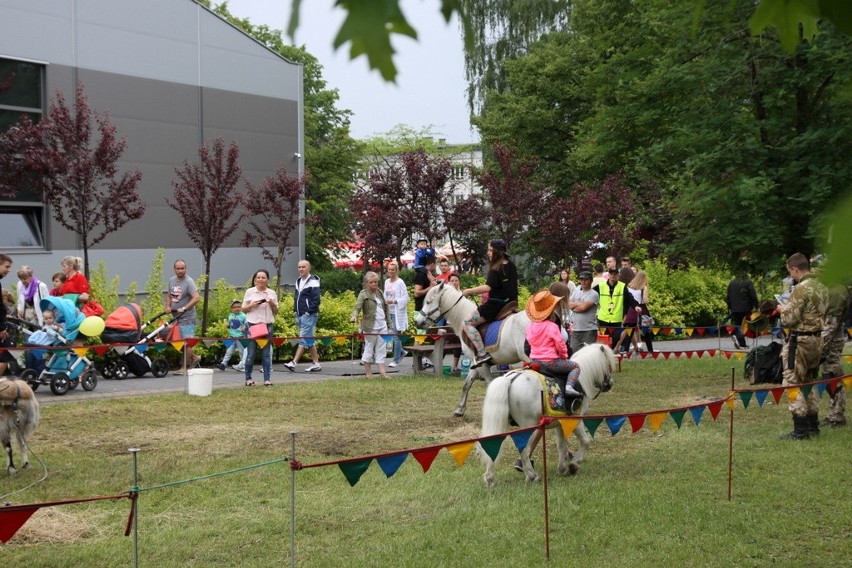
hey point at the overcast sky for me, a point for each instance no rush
(430, 85)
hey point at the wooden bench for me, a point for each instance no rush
(443, 340)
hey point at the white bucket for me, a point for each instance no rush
(200, 382)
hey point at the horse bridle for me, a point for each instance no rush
(428, 315)
(606, 386)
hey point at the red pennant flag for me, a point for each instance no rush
(728, 354)
(656, 354)
(13, 518)
(426, 457)
(667, 331)
(700, 331)
(636, 422)
(644, 354)
(715, 407)
(100, 350)
(689, 354)
(833, 385)
(711, 352)
(729, 329)
(776, 394)
(192, 341)
(278, 341)
(666, 354)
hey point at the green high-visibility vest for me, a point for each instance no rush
(611, 307)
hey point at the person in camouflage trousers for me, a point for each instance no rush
(833, 340)
(803, 315)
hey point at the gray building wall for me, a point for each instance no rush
(172, 76)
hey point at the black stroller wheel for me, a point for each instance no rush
(108, 369)
(31, 377)
(89, 380)
(121, 370)
(59, 384)
(160, 367)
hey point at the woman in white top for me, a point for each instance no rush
(30, 292)
(260, 304)
(374, 317)
(396, 295)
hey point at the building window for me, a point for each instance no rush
(21, 92)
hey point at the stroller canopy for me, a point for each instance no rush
(126, 318)
(66, 312)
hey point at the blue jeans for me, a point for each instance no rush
(307, 324)
(266, 357)
(398, 353)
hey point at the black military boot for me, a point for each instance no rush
(800, 429)
(813, 424)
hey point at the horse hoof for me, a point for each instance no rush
(489, 481)
(11, 470)
(459, 412)
(573, 469)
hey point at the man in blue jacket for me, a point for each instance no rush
(306, 308)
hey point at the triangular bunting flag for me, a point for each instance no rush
(419, 339)
(806, 391)
(776, 394)
(390, 464)
(491, 446)
(100, 350)
(326, 341)
(636, 422)
(731, 400)
(727, 354)
(178, 345)
(141, 348)
(568, 426)
(696, 412)
(227, 343)
(760, 396)
(354, 470)
(689, 354)
(294, 341)
(739, 356)
(700, 331)
(655, 354)
(278, 341)
(460, 452)
(666, 331)
(792, 394)
(426, 457)
(715, 408)
(614, 423)
(261, 342)
(192, 342)
(656, 420)
(521, 439)
(679, 330)
(667, 354)
(746, 398)
(387, 338)
(341, 339)
(711, 352)
(821, 389)
(13, 518)
(592, 425)
(712, 331)
(833, 385)
(677, 416)
(81, 351)
(245, 342)
(159, 347)
(847, 382)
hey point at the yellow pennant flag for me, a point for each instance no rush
(81, 351)
(731, 400)
(460, 452)
(656, 420)
(739, 356)
(177, 345)
(568, 426)
(261, 342)
(792, 394)
(847, 382)
(340, 339)
(419, 339)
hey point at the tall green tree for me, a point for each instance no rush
(331, 157)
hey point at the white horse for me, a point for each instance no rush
(19, 416)
(444, 301)
(518, 395)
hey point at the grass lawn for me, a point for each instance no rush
(644, 499)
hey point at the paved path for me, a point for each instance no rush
(341, 369)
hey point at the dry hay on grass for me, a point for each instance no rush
(63, 525)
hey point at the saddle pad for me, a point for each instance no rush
(552, 395)
(491, 337)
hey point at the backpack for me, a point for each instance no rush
(763, 364)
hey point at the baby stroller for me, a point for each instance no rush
(65, 369)
(124, 325)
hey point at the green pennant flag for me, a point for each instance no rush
(806, 391)
(746, 398)
(677, 416)
(592, 425)
(491, 446)
(354, 470)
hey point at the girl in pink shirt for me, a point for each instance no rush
(547, 348)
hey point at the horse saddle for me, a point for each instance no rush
(557, 404)
(490, 330)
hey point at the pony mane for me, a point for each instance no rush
(449, 296)
(595, 360)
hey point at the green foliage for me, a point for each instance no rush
(336, 281)
(686, 296)
(154, 287)
(103, 288)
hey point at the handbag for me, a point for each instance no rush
(258, 330)
(92, 308)
(646, 320)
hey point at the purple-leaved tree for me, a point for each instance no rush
(74, 169)
(272, 213)
(207, 198)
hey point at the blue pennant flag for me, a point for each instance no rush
(227, 343)
(614, 423)
(521, 439)
(760, 396)
(390, 464)
(696, 412)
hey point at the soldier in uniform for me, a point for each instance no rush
(833, 340)
(803, 315)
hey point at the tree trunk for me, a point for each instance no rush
(206, 294)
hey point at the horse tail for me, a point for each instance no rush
(495, 409)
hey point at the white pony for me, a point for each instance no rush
(518, 395)
(19, 416)
(444, 301)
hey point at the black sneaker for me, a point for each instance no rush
(220, 366)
